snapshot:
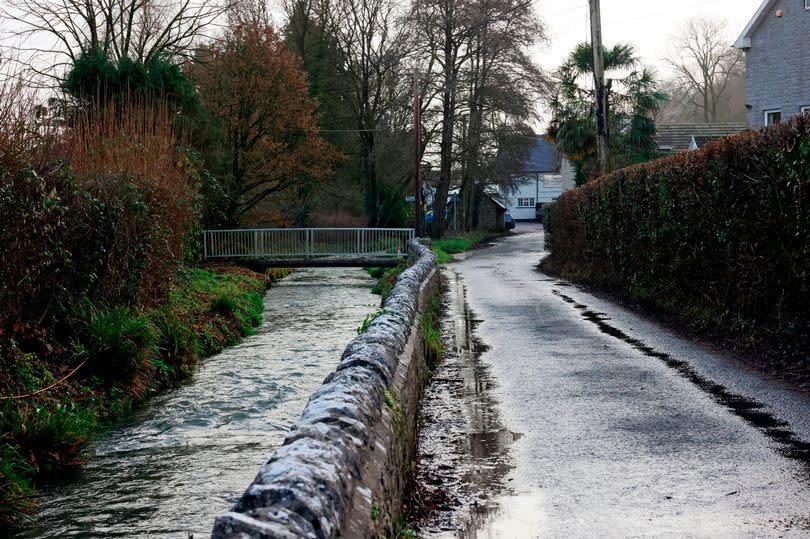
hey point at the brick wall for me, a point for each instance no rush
(779, 63)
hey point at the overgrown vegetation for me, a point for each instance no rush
(386, 280)
(431, 331)
(123, 355)
(719, 237)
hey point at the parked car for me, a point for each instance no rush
(508, 221)
(429, 217)
(539, 212)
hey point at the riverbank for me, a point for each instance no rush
(60, 397)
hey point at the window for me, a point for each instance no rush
(525, 203)
(807, 108)
(772, 117)
(806, 4)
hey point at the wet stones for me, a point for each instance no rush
(343, 448)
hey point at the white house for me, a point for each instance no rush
(546, 175)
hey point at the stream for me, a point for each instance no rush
(189, 453)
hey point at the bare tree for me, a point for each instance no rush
(485, 84)
(372, 45)
(138, 29)
(444, 28)
(248, 12)
(704, 63)
(503, 84)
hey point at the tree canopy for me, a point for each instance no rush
(95, 75)
(633, 100)
(254, 88)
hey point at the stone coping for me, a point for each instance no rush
(342, 470)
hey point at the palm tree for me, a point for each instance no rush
(633, 99)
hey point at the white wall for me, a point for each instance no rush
(543, 188)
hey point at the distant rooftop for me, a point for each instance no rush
(544, 157)
(678, 137)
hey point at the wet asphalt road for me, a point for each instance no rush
(623, 429)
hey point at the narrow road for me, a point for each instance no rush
(621, 428)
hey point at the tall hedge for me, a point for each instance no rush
(719, 235)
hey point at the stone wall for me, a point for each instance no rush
(778, 74)
(343, 469)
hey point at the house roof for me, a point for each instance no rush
(744, 41)
(544, 157)
(678, 137)
(490, 192)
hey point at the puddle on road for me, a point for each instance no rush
(749, 410)
(512, 516)
(461, 488)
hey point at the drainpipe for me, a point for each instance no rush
(537, 190)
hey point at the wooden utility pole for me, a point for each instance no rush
(417, 154)
(599, 85)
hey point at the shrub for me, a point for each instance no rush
(224, 304)
(118, 342)
(177, 343)
(723, 231)
(16, 485)
(125, 155)
(48, 438)
(105, 214)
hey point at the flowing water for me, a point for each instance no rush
(189, 453)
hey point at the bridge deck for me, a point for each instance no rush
(310, 247)
(261, 264)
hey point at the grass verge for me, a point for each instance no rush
(445, 248)
(57, 398)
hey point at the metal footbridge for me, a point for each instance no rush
(310, 247)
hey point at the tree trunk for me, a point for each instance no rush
(705, 105)
(368, 173)
(448, 124)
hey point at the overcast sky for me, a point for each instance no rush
(647, 24)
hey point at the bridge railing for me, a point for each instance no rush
(308, 242)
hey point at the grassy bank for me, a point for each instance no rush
(445, 248)
(59, 396)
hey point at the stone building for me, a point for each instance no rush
(777, 50)
(492, 215)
